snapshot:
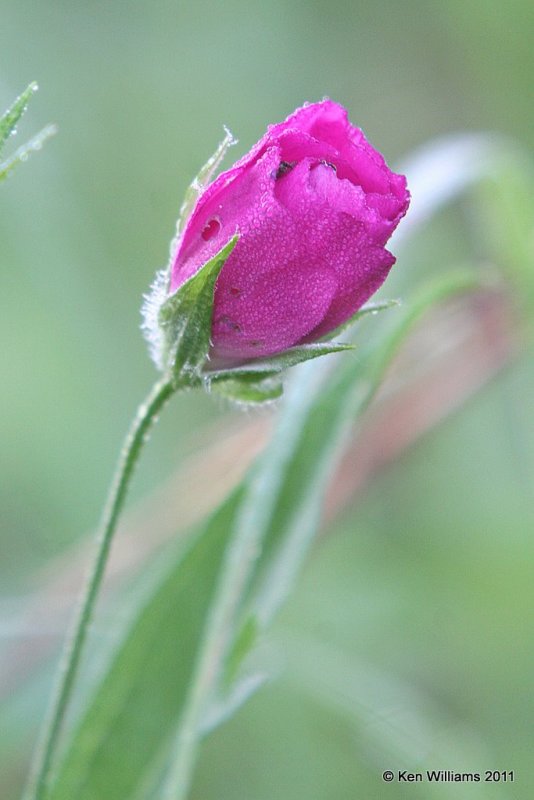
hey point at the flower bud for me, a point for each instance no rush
(313, 205)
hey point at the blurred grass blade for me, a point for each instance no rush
(8, 127)
(498, 173)
(180, 667)
(296, 515)
(25, 150)
(10, 118)
(504, 220)
(443, 170)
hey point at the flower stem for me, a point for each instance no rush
(70, 661)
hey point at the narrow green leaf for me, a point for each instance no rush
(364, 311)
(242, 645)
(141, 696)
(236, 686)
(221, 709)
(185, 319)
(11, 117)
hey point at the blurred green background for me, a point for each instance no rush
(421, 597)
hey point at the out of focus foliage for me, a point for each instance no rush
(8, 128)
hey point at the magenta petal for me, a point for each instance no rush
(355, 291)
(260, 319)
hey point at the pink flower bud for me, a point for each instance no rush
(314, 205)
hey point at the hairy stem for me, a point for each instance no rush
(70, 661)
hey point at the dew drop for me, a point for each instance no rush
(211, 229)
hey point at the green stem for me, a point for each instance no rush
(251, 526)
(70, 662)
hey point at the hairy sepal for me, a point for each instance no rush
(156, 298)
(184, 320)
(259, 381)
(202, 179)
(252, 389)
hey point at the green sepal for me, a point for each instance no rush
(185, 320)
(259, 381)
(158, 294)
(281, 361)
(252, 389)
(364, 311)
(202, 179)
